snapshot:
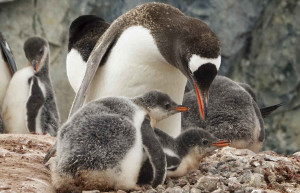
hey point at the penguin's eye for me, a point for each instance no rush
(168, 106)
(41, 51)
(205, 142)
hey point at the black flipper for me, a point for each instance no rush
(154, 152)
(268, 110)
(7, 55)
(34, 103)
(101, 49)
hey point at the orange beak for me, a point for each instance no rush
(180, 109)
(222, 143)
(200, 102)
(37, 66)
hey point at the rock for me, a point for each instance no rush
(208, 183)
(195, 190)
(21, 160)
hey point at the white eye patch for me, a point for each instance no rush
(197, 61)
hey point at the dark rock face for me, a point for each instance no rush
(260, 46)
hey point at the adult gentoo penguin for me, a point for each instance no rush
(101, 145)
(7, 67)
(184, 153)
(84, 33)
(154, 46)
(233, 114)
(29, 104)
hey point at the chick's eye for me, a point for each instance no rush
(41, 51)
(167, 106)
(205, 142)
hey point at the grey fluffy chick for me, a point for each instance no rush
(101, 145)
(183, 153)
(233, 114)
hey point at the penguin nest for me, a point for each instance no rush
(228, 170)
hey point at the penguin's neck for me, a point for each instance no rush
(135, 66)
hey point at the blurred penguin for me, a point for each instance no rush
(7, 69)
(29, 105)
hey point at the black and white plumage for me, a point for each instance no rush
(154, 46)
(101, 146)
(233, 114)
(7, 69)
(29, 105)
(84, 33)
(183, 154)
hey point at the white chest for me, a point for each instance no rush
(136, 66)
(14, 109)
(75, 69)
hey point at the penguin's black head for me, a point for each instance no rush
(36, 51)
(199, 141)
(198, 57)
(159, 105)
(86, 24)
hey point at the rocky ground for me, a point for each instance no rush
(229, 170)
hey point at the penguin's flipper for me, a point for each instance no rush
(268, 110)
(154, 152)
(50, 153)
(34, 103)
(101, 49)
(7, 55)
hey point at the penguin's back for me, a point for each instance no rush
(100, 136)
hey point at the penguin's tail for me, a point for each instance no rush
(268, 110)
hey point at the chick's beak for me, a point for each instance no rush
(36, 64)
(180, 109)
(221, 143)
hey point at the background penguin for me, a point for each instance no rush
(29, 104)
(233, 114)
(7, 69)
(84, 33)
(152, 40)
(183, 154)
(101, 146)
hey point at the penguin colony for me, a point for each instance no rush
(121, 132)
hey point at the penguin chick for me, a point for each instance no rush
(101, 145)
(29, 104)
(184, 153)
(233, 114)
